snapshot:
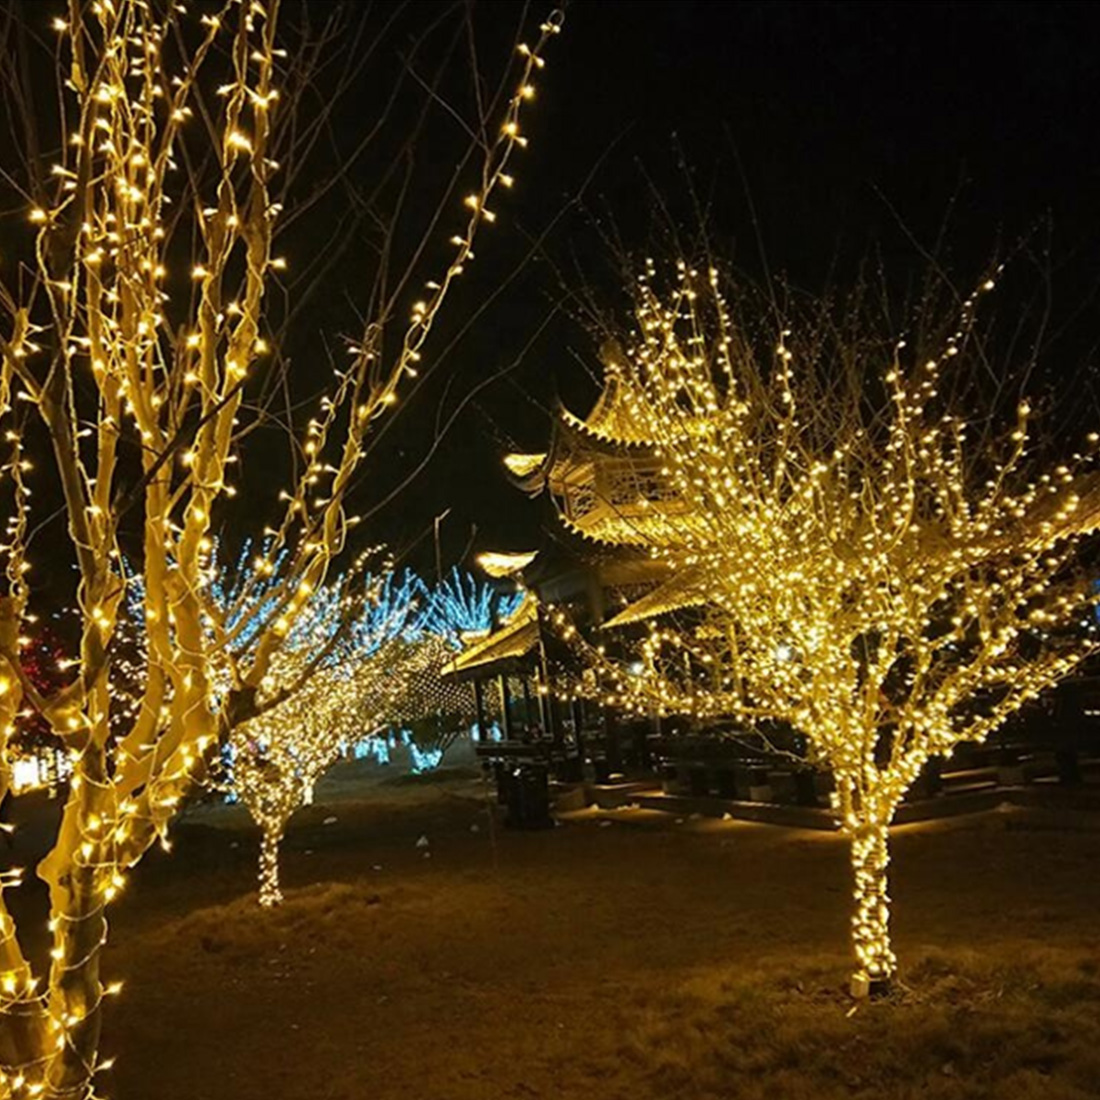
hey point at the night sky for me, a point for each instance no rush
(817, 134)
(852, 127)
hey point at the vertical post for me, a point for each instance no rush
(578, 730)
(527, 702)
(550, 724)
(542, 703)
(646, 756)
(505, 712)
(554, 720)
(611, 739)
(479, 710)
(438, 556)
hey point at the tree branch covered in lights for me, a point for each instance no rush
(134, 345)
(858, 555)
(381, 669)
(278, 756)
(463, 604)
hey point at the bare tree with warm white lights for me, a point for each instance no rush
(851, 559)
(357, 643)
(148, 386)
(279, 755)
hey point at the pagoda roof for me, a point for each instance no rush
(610, 427)
(685, 589)
(499, 565)
(634, 529)
(510, 642)
(609, 421)
(523, 465)
(614, 417)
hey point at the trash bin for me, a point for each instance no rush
(805, 788)
(698, 782)
(569, 770)
(1069, 767)
(527, 797)
(501, 777)
(726, 782)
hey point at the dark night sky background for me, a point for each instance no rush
(842, 120)
(845, 117)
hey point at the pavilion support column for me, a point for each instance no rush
(528, 716)
(550, 724)
(611, 740)
(479, 711)
(577, 709)
(542, 704)
(505, 708)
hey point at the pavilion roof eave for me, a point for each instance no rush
(601, 436)
(684, 590)
(502, 649)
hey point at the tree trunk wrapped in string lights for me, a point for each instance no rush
(148, 382)
(856, 572)
(279, 756)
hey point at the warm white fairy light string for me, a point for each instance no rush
(864, 573)
(102, 311)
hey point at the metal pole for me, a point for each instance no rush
(438, 557)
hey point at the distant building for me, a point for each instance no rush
(605, 502)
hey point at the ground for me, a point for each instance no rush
(623, 954)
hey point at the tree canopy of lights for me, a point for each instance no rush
(870, 558)
(432, 710)
(134, 345)
(465, 604)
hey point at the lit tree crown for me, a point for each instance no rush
(864, 559)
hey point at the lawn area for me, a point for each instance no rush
(623, 954)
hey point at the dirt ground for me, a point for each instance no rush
(623, 954)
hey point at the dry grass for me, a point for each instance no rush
(967, 1026)
(642, 959)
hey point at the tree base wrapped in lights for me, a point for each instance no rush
(270, 893)
(875, 961)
